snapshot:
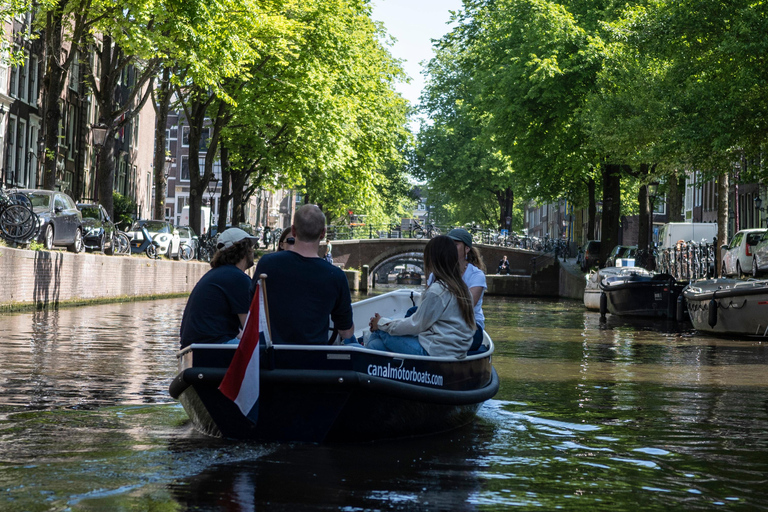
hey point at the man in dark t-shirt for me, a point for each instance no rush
(219, 303)
(303, 289)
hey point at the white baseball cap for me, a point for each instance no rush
(231, 236)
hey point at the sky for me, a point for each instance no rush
(414, 23)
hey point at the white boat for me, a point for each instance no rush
(592, 291)
(729, 306)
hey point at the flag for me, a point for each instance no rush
(241, 382)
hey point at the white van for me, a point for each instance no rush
(673, 232)
(205, 218)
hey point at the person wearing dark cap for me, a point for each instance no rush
(219, 302)
(473, 274)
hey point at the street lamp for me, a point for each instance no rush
(99, 133)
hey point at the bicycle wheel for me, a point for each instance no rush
(18, 222)
(186, 252)
(418, 233)
(152, 251)
(123, 244)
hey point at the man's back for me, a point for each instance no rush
(302, 293)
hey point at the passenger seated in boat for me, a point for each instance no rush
(473, 274)
(444, 323)
(219, 302)
(303, 289)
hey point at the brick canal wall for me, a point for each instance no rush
(43, 279)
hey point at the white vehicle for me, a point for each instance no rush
(205, 218)
(737, 255)
(164, 233)
(760, 256)
(673, 232)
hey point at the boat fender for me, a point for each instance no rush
(680, 313)
(603, 304)
(712, 317)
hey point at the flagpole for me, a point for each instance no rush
(268, 331)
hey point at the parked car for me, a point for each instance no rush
(60, 221)
(99, 230)
(760, 256)
(626, 253)
(737, 255)
(591, 257)
(164, 233)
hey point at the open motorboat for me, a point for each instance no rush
(592, 290)
(326, 393)
(641, 293)
(729, 306)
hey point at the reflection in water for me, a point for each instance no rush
(623, 415)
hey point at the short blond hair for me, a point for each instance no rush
(309, 223)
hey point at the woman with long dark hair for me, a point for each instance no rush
(444, 323)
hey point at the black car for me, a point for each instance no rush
(591, 256)
(99, 230)
(60, 221)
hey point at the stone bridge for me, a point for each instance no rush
(383, 254)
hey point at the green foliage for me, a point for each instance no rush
(124, 209)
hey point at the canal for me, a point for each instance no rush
(621, 416)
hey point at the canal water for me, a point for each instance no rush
(621, 416)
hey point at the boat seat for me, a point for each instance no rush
(483, 348)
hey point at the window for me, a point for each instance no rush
(74, 73)
(21, 154)
(136, 130)
(10, 158)
(13, 88)
(204, 136)
(33, 90)
(185, 168)
(71, 127)
(167, 140)
(23, 82)
(185, 136)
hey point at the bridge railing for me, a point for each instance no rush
(418, 231)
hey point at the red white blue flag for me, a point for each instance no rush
(241, 382)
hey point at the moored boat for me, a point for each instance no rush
(335, 393)
(592, 290)
(641, 293)
(729, 306)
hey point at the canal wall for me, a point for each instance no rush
(46, 279)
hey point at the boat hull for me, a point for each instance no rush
(365, 395)
(640, 295)
(729, 307)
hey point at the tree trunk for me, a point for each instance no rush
(643, 228)
(676, 197)
(226, 195)
(106, 174)
(722, 217)
(611, 210)
(162, 101)
(592, 209)
(53, 85)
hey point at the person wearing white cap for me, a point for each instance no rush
(303, 289)
(219, 302)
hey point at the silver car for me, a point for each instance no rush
(737, 255)
(760, 256)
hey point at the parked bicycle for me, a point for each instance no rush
(419, 231)
(206, 248)
(18, 223)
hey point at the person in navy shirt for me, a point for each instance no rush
(303, 289)
(219, 302)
